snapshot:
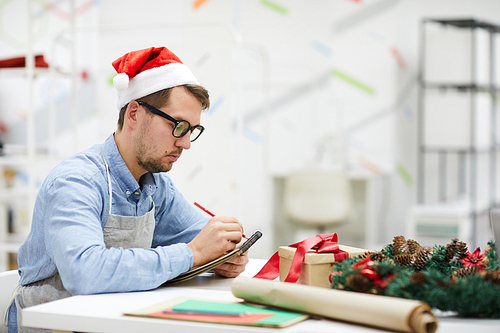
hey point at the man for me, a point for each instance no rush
(109, 219)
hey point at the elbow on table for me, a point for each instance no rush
(83, 282)
(81, 287)
(86, 273)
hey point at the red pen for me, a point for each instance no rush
(210, 213)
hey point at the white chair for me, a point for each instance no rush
(8, 281)
(317, 198)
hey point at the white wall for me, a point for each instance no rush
(278, 88)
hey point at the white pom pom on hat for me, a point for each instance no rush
(120, 81)
(146, 71)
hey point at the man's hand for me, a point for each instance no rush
(233, 267)
(220, 235)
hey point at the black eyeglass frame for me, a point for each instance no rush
(189, 128)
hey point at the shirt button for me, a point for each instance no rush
(127, 191)
(150, 187)
(136, 192)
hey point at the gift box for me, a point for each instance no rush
(316, 267)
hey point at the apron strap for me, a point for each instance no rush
(110, 189)
(12, 298)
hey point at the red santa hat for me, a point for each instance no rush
(144, 72)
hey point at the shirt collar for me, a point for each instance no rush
(148, 184)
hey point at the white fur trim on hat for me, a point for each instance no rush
(153, 80)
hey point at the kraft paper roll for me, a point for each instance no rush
(380, 311)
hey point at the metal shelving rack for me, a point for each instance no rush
(467, 156)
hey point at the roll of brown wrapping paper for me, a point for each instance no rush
(373, 310)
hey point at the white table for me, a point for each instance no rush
(103, 313)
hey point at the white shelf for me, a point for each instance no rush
(438, 223)
(23, 160)
(9, 194)
(8, 73)
(12, 242)
(449, 58)
(13, 160)
(448, 117)
(10, 247)
(459, 207)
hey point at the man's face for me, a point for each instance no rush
(156, 148)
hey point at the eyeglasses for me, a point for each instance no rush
(181, 126)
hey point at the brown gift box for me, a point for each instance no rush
(316, 267)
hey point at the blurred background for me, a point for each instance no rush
(368, 118)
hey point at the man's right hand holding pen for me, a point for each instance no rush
(220, 235)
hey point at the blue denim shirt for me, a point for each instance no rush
(71, 210)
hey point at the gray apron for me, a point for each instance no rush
(119, 231)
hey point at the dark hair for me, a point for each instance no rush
(160, 98)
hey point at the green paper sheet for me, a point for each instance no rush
(278, 318)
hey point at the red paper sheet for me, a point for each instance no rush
(246, 319)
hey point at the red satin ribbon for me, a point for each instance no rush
(324, 243)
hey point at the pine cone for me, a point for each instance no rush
(358, 282)
(456, 249)
(466, 271)
(364, 255)
(404, 259)
(451, 250)
(420, 258)
(461, 250)
(417, 278)
(379, 257)
(400, 245)
(413, 246)
(493, 276)
(486, 261)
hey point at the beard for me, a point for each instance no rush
(151, 164)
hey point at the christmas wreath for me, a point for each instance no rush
(448, 278)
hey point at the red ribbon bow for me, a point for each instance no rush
(367, 269)
(324, 243)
